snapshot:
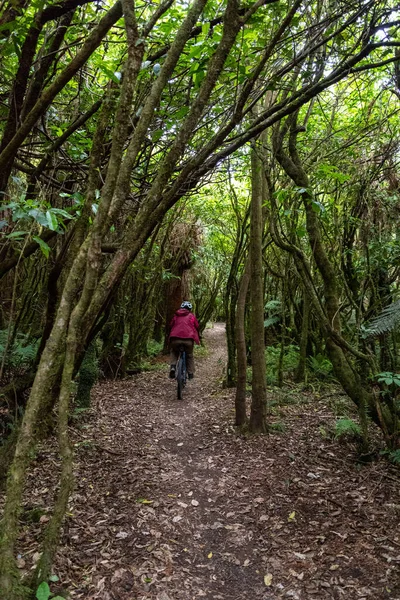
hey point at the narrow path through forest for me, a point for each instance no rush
(172, 504)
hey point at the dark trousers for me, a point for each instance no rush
(187, 343)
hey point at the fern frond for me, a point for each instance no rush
(385, 322)
(347, 428)
(271, 321)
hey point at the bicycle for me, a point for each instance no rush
(181, 372)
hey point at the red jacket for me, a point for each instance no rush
(184, 325)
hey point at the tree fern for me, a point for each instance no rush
(385, 322)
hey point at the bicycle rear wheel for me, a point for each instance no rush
(181, 375)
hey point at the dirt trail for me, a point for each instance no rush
(172, 504)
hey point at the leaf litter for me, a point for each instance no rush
(171, 503)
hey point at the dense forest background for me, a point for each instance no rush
(244, 156)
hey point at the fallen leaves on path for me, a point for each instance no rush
(171, 503)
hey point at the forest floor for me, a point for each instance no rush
(172, 503)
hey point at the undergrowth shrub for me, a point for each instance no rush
(320, 366)
(387, 390)
(290, 361)
(347, 429)
(147, 365)
(393, 456)
(342, 407)
(278, 427)
(22, 352)
(154, 348)
(201, 351)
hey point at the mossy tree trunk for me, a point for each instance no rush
(301, 367)
(231, 373)
(231, 295)
(258, 389)
(240, 397)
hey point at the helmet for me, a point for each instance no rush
(186, 304)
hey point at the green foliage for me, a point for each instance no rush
(77, 413)
(22, 352)
(393, 456)
(347, 428)
(324, 433)
(33, 515)
(320, 366)
(43, 592)
(271, 321)
(273, 305)
(146, 365)
(31, 217)
(278, 427)
(290, 361)
(88, 374)
(331, 172)
(388, 320)
(273, 308)
(388, 378)
(201, 351)
(154, 348)
(341, 406)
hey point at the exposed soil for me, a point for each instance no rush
(172, 503)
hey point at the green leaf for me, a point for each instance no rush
(60, 211)
(45, 248)
(11, 25)
(43, 591)
(109, 72)
(156, 135)
(196, 50)
(38, 216)
(333, 172)
(182, 112)
(17, 234)
(198, 77)
(317, 206)
(54, 578)
(16, 47)
(51, 220)
(78, 198)
(18, 214)
(205, 28)
(271, 321)
(301, 231)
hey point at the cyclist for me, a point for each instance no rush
(184, 331)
